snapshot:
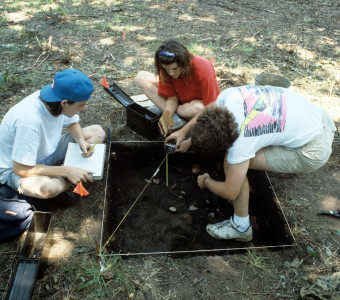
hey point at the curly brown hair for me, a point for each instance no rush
(182, 57)
(215, 131)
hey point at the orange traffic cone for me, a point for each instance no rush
(79, 189)
(104, 83)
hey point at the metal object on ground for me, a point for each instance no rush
(33, 258)
(25, 275)
(139, 118)
(333, 213)
(272, 80)
(170, 148)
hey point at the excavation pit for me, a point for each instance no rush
(155, 219)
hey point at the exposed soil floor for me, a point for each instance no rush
(172, 219)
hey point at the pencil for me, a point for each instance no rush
(93, 146)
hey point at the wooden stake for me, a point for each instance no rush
(166, 170)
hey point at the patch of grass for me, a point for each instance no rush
(202, 49)
(308, 20)
(245, 48)
(67, 220)
(171, 264)
(140, 6)
(312, 252)
(10, 82)
(98, 277)
(104, 27)
(256, 261)
(3, 20)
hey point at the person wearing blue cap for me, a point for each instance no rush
(33, 143)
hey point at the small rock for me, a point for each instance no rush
(193, 207)
(173, 209)
(182, 192)
(195, 169)
(54, 278)
(211, 216)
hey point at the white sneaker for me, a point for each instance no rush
(227, 230)
(179, 122)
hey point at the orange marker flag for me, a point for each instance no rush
(124, 35)
(79, 189)
(104, 83)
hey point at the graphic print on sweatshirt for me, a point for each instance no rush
(264, 109)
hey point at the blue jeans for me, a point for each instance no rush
(55, 159)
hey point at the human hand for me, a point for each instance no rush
(85, 147)
(184, 146)
(201, 180)
(75, 175)
(178, 136)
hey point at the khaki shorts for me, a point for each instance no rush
(306, 158)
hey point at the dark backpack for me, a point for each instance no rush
(15, 213)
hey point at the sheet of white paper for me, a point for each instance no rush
(95, 163)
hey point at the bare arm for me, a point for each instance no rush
(231, 187)
(73, 174)
(76, 132)
(180, 135)
(171, 105)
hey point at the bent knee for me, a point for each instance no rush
(141, 77)
(100, 133)
(189, 110)
(197, 106)
(47, 190)
(42, 187)
(144, 78)
(94, 133)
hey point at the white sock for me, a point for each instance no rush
(242, 223)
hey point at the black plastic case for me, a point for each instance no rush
(139, 119)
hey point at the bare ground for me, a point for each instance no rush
(299, 40)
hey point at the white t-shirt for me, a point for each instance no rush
(269, 116)
(29, 133)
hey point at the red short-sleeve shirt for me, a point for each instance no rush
(200, 84)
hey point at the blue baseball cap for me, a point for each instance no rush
(69, 84)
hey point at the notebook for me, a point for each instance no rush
(95, 163)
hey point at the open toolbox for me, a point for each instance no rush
(139, 118)
(33, 258)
